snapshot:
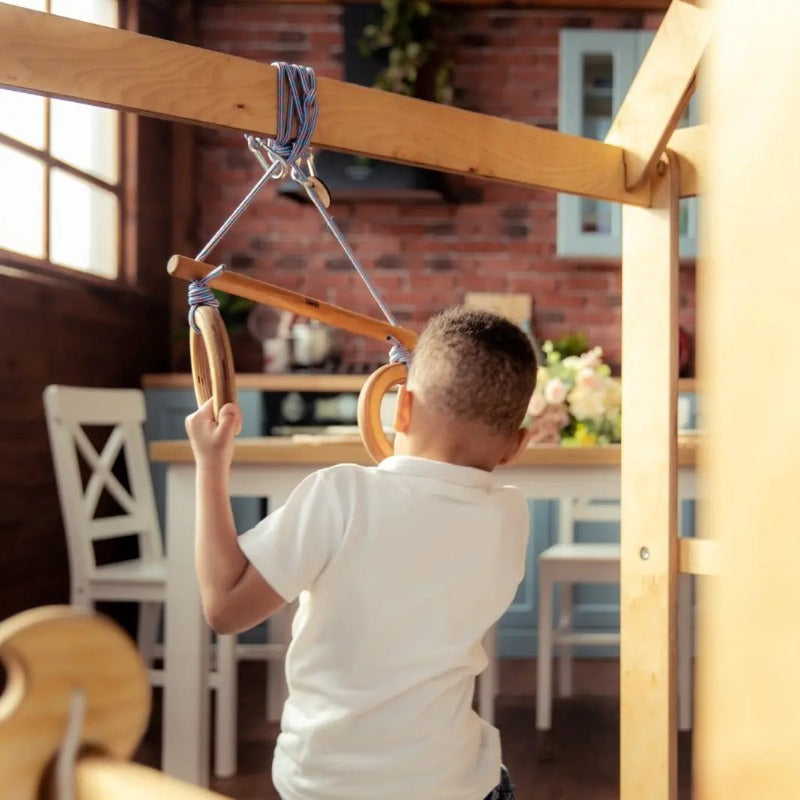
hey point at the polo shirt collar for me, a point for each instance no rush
(438, 470)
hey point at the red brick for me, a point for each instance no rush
(421, 256)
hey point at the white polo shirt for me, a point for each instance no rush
(400, 570)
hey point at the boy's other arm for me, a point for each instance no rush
(234, 595)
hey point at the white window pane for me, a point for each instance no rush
(21, 203)
(84, 225)
(22, 117)
(85, 137)
(101, 12)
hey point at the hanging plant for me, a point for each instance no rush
(404, 38)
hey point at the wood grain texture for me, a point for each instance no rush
(661, 89)
(298, 382)
(748, 729)
(61, 57)
(104, 779)
(689, 146)
(304, 306)
(213, 370)
(649, 555)
(50, 653)
(328, 450)
(699, 556)
(602, 5)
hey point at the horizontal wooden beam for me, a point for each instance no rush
(600, 5)
(60, 57)
(698, 556)
(661, 89)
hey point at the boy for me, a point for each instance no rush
(400, 570)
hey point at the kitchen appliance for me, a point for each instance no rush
(313, 344)
(325, 413)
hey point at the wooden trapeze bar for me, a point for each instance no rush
(60, 57)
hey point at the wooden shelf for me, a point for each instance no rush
(301, 382)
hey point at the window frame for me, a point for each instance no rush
(122, 190)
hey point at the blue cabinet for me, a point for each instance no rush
(595, 606)
(167, 410)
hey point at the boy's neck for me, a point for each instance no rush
(461, 454)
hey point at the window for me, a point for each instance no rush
(60, 187)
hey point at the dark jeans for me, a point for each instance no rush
(504, 790)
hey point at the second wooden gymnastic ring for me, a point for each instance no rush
(369, 409)
(212, 362)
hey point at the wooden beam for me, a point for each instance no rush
(688, 145)
(661, 89)
(747, 736)
(61, 57)
(698, 556)
(599, 5)
(649, 549)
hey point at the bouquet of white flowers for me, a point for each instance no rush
(576, 401)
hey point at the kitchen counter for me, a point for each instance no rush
(327, 450)
(266, 382)
(298, 382)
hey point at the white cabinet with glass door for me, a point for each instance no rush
(595, 71)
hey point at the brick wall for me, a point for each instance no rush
(421, 256)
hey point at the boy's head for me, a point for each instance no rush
(470, 381)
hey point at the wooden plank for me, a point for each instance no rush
(304, 382)
(61, 57)
(661, 89)
(600, 5)
(689, 146)
(698, 556)
(649, 552)
(337, 449)
(747, 737)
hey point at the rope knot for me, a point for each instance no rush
(399, 353)
(201, 295)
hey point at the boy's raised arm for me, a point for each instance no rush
(234, 595)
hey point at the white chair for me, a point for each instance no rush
(112, 478)
(567, 563)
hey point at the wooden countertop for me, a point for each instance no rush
(290, 382)
(327, 450)
(299, 382)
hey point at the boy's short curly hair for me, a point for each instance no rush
(475, 366)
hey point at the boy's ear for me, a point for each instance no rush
(402, 413)
(517, 444)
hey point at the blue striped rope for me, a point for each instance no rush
(201, 295)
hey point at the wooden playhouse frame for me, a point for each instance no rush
(645, 164)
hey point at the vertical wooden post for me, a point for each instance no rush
(747, 737)
(648, 594)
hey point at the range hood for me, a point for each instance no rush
(353, 179)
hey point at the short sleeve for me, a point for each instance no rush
(291, 547)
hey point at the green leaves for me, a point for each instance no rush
(404, 37)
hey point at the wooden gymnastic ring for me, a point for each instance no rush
(212, 362)
(369, 408)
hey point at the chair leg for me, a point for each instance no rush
(685, 641)
(544, 660)
(225, 739)
(487, 680)
(147, 630)
(565, 649)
